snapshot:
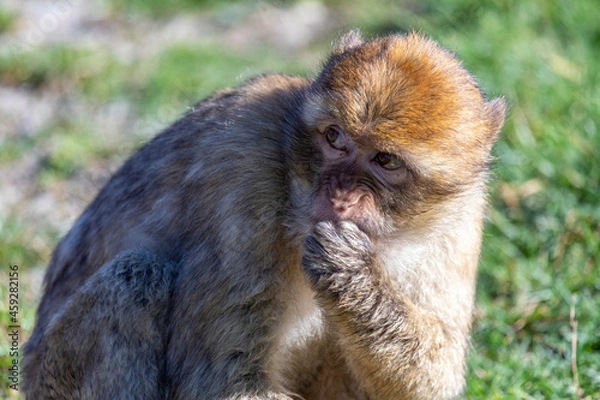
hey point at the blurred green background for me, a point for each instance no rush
(85, 83)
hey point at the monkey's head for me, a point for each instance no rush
(399, 127)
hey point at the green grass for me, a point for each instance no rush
(543, 238)
(541, 256)
(7, 19)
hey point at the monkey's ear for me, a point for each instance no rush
(348, 41)
(496, 110)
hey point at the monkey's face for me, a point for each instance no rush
(354, 182)
(399, 127)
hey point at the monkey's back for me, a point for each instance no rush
(170, 197)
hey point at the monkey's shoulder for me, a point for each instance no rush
(182, 168)
(259, 91)
(258, 107)
(268, 83)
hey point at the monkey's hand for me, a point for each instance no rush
(337, 257)
(386, 331)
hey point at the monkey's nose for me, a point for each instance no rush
(343, 201)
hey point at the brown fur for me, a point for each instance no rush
(303, 270)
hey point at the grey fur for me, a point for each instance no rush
(108, 340)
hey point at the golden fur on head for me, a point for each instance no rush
(410, 97)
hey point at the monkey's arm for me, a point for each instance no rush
(108, 341)
(395, 349)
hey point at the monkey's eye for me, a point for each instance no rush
(388, 161)
(336, 138)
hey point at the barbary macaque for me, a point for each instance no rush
(290, 238)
